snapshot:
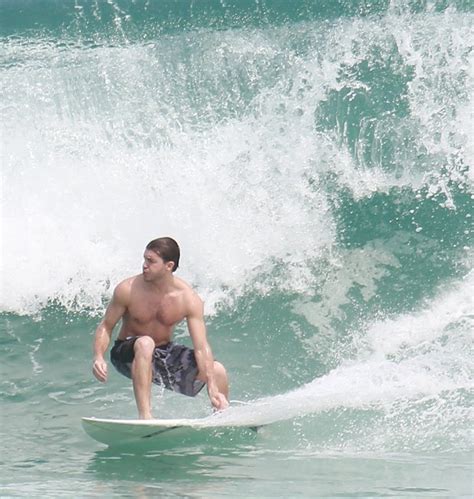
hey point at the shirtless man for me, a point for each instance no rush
(150, 305)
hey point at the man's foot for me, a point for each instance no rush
(145, 416)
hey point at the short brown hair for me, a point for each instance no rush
(167, 248)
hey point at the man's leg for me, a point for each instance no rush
(221, 379)
(220, 375)
(142, 375)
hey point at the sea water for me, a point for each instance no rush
(313, 160)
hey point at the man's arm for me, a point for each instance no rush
(202, 350)
(103, 333)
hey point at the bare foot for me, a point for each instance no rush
(145, 416)
(221, 403)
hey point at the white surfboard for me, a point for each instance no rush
(119, 432)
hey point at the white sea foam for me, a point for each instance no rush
(106, 148)
(415, 369)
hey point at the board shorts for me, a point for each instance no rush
(174, 366)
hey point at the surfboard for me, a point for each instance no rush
(120, 432)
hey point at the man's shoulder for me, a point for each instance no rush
(190, 296)
(124, 288)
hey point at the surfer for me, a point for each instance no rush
(150, 304)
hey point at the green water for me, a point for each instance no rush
(313, 159)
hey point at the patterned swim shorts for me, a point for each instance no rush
(174, 366)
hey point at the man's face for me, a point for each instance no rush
(153, 265)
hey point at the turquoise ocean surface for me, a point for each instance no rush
(313, 160)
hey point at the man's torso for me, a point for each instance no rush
(153, 313)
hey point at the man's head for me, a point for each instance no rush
(167, 248)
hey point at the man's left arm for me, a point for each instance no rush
(202, 350)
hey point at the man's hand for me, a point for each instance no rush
(218, 400)
(99, 368)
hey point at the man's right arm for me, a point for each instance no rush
(103, 333)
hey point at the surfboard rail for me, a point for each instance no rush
(116, 432)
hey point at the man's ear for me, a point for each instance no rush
(170, 266)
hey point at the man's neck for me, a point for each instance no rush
(163, 284)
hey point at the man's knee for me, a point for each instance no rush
(144, 346)
(219, 370)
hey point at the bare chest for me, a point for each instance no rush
(165, 311)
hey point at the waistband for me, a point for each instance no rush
(128, 338)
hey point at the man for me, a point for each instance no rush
(150, 305)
